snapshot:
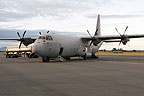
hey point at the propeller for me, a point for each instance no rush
(92, 37)
(21, 38)
(124, 38)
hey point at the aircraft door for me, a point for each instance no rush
(61, 50)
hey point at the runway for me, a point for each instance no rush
(106, 76)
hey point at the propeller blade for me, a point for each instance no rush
(20, 45)
(24, 34)
(18, 34)
(89, 34)
(125, 29)
(40, 33)
(118, 32)
(91, 43)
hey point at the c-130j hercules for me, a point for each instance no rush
(51, 45)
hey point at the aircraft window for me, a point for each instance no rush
(48, 37)
(41, 37)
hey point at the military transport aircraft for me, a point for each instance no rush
(54, 45)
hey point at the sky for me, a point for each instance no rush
(72, 17)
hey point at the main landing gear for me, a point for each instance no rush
(90, 57)
(85, 57)
(94, 56)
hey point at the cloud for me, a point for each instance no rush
(12, 16)
(115, 16)
(22, 9)
(12, 33)
(123, 16)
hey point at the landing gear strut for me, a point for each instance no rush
(45, 59)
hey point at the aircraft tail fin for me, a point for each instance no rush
(98, 27)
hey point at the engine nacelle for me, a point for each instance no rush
(124, 41)
(94, 50)
(96, 41)
(27, 41)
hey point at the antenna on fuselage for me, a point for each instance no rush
(48, 31)
(40, 33)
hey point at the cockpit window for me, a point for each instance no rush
(47, 37)
(41, 37)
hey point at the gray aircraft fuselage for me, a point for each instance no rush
(54, 45)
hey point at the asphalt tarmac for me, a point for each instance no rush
(106, 76)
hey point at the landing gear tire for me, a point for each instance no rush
(94, 56)
(45, 59)
(7, 56)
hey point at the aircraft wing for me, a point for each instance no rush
(17, 39)
(10, 39)
(110, 37)
(25, 41)
(119, 37)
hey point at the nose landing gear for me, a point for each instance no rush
(45, 59)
